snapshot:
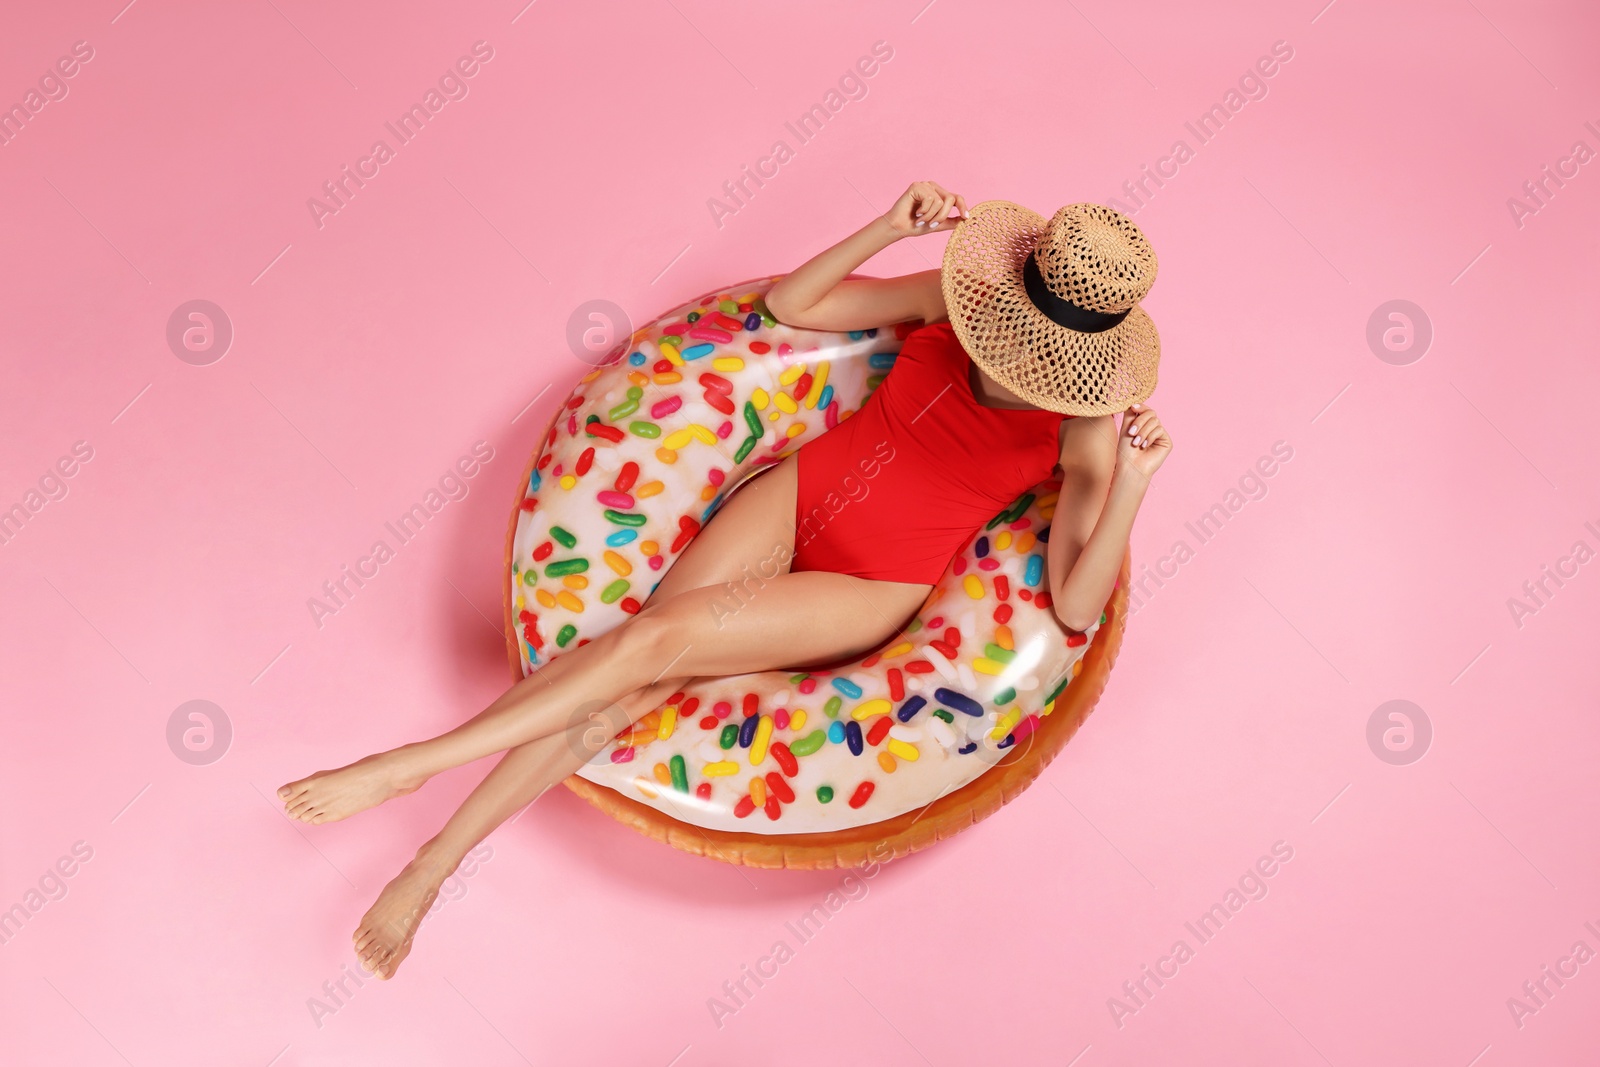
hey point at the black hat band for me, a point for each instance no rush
(1064, 312)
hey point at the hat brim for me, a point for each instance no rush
(1012, 341)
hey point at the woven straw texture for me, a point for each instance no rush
(1089, 254)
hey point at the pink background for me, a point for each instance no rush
(428, 313)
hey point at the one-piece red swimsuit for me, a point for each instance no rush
(895, 491)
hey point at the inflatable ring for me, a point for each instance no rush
(868, 761)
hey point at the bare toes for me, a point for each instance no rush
(392, 963)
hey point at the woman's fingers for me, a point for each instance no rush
(934, 203)
(924, 207)
(903, 215)
(1141, 425)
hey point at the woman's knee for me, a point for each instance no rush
(649, 643)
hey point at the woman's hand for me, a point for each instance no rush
(923, 208)
(1143, 444)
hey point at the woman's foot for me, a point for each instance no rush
(383, 939)
(329, 796)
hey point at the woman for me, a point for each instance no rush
(1033, 342)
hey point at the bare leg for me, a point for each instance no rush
(731, 552)
(799, 619)
(809, 618)
(747, 543)
(747, 537)
(384, 937)
(328, 796)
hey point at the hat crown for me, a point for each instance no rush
(1096, 257)
(999, 269)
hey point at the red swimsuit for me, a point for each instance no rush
(896, 490)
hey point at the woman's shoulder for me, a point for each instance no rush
(1087, 441)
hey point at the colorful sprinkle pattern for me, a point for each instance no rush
(642, 455)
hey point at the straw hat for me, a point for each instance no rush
(1050, 309)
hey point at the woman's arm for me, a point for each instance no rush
(1104, 475)
(819, 296)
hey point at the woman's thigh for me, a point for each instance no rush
(748, 542)
(805, 620)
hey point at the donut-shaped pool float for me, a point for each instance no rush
(867, 761)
